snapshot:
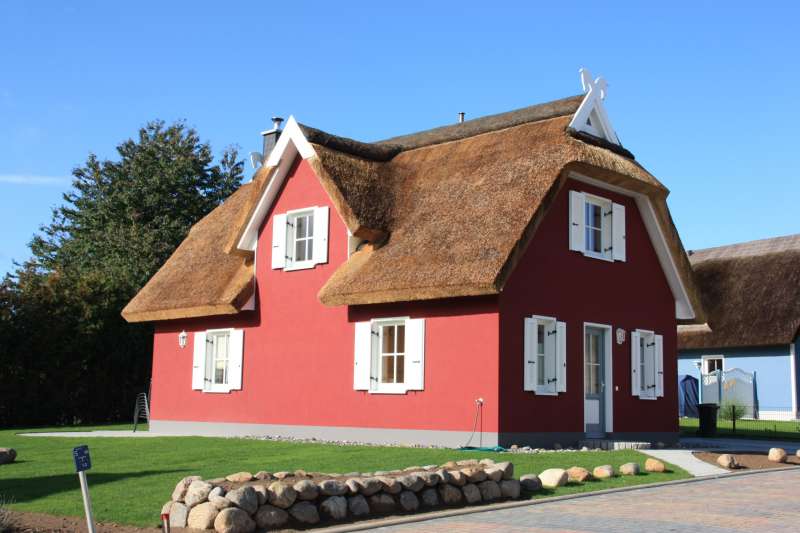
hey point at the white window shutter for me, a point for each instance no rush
(561, 356)
(529, 370)
(635, 363)
(550, 358)
(235, 357)
(279, 241)
(415, 354)
(577, 237)
(363, 356)
(649, 367)
(199, 361)
(618, 232)
(659, 355)
(320, 235)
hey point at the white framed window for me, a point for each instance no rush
(712, 363)
(217, 360)
(596, 227)
(545, 346)
(300, 238)
(647, 364)
(389, 355)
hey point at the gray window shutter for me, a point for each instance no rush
(577, 214)
(235, 357)
(363, 356)
(321, 235)
(415, 354)
(199, 361)
(561, 356)
(279, 241)
(635, 363)
(618, 232)
(529, 369)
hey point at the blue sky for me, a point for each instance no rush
(704, 94)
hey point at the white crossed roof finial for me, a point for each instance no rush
(589, 85)
(591, 116)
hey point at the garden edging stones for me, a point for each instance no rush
(240, 502)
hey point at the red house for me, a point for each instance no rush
(515, 278)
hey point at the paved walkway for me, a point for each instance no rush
(686, 460)
(758, 502)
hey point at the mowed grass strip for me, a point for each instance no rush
(747, 429)
(132, 477)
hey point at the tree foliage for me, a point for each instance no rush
(66, 353)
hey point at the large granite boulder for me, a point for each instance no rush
(233, 520)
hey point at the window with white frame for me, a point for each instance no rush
(647, 364)
(712, 363)
(300, 238)
(389, 355)
(596, 226)
(217, 360)
(545, 344)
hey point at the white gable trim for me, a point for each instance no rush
(683, 306)
(592, 109)
(291, 143)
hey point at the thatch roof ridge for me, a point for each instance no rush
(387, 149)
(749, 248)
(751, 292)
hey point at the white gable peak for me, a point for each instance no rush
(591, 116)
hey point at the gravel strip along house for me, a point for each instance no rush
(512, 279)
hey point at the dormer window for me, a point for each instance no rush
(596, 226)
(300, 238)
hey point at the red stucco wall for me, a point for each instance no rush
(298, 354)
(553, 281)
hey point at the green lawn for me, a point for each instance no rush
(748, 429)
(131, 478)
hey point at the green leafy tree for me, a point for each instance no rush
(71, 355)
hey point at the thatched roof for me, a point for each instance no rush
(200, 278)
(751, 293)
(450, 210)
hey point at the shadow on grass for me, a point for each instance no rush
(33, 488)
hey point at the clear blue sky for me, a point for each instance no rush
(705, 96)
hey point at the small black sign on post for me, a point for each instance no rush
(83, 462)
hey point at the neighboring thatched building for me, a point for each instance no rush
(751, 292)
(468, 283)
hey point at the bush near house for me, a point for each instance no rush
(142, 472)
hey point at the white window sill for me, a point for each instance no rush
(389, 389)
(545, 393)
(648, 397)
(217, 390)
(601, 257)
(305, 265)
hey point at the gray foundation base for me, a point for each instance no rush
(571, 439)
(424, 437)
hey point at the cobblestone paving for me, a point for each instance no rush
(763, 502)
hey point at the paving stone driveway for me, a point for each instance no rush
(759, 502)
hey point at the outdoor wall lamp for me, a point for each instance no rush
(182, 339)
